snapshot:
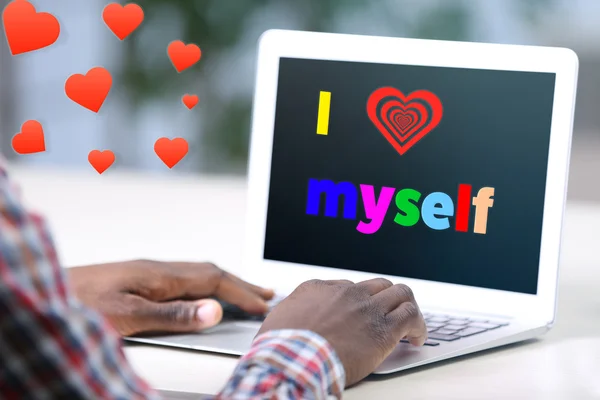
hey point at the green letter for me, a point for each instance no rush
(408, 214)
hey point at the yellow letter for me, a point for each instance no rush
(323, 116)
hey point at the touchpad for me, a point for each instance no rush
(235, 334)
(228, 337)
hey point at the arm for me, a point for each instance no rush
(51, 346)
(287, 364)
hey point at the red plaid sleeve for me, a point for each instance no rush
(287, 364)
(50, 345)
(53, 347)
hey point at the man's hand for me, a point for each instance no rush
(363, 322)
(148, 296)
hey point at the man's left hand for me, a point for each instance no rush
(149, 296)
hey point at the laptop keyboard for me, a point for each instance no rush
(447, 328)
(440, 327)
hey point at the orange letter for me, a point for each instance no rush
(482, 202)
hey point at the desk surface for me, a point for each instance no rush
(127, 216)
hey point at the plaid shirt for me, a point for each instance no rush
(52, 347)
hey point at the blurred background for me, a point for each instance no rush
(145, 102)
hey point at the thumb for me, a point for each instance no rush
(208, 313)
(181, 316)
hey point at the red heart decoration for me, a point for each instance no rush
(101, 160)
(89, 90)
(171, 151)
(189, 100)
(28, 30)
(30, 140)
(183, 56)
(404, 120)
(122, 20)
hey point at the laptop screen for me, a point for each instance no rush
(429, 173)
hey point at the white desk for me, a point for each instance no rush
(120, 216)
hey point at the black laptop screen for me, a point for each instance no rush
(421, 172)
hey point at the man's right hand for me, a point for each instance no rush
(363, 322)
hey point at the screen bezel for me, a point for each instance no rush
(277, 44)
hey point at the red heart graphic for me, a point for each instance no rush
(101, 160)
(122, 20)
(30, 140)
(393, 108)
(183, 56)
(171, 151)
(28, 30)
(190, 100)
(89, 90)
(404, 120)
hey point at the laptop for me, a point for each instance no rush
(441, 165)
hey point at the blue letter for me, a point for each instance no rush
(429, 211)
(332, 192)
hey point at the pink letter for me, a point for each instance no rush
(375, 210)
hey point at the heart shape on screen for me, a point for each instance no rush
(404, 120)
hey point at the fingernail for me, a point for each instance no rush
(208, 313)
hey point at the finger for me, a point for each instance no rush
(374, 286)
(393, 296)
(205, 279)
(407, 322)
(239, 295)
(179, 280)
(173, 316)
(265, 293)
(343, 282)
(200, 279)
(318, 283)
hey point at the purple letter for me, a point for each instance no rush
(375, 210)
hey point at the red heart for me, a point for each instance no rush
(101, 160)
(417, 111)
(27, 30)
(404, 120)
(122, 20)
(190, 100)
(171, 151)
(183, 56)
(30, 139)
(89, 90)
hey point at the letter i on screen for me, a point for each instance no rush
(323, 115)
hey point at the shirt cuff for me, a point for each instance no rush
(302, 358)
